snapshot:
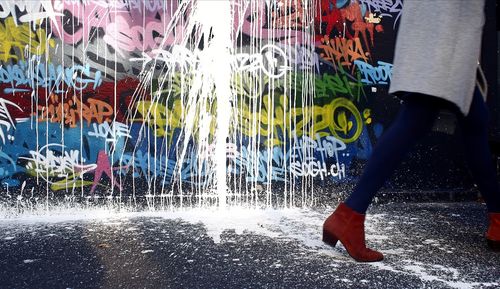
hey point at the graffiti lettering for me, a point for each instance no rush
(272, 60)
(380, 74)
(148, 5)
(178, 57)
(255, 18)
(315, 168)
(340, 118)
(313, 165)
(269, 165)
(35, 10)
(36, 74)
(333, 85)
(109, 133)
(301, 57)
(23, 39)
(354, 14)
(341, 50)
(91, 88)
(100, 57)
(384, 7)
(115, 17)
(5, 118)
(327, 11)
(56, 163)
(287, 14)
(137, 37)
(262, 166)
(327, 147)
(73, 110)
(142, 165)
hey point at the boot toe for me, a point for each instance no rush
(366, 255)
(369, 256)
(375, 256)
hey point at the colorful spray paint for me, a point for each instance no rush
(188, 102)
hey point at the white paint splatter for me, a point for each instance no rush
(29, 261)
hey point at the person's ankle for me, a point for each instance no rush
(355, 207)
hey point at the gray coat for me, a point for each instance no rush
(438, 48)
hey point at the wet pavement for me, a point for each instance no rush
(427, 245)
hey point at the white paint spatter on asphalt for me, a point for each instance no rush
(57, 215)
(29, 261)
(397, 257)
(303, 225)
(432, 273)
(300, 225)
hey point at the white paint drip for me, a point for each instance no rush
(207, 77)
(204, 38)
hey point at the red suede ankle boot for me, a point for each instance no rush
(493, 234)
(348, 227)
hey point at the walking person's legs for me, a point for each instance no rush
(477, 153)
(346, 224)
(414, 121)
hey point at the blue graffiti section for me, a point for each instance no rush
(47, 150)
(380, 74)
(319, 157)
(35, 74)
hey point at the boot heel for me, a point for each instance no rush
(329, 239)
(494, 245)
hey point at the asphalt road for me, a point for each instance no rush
(429, 245)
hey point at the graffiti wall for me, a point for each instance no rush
(207, 101)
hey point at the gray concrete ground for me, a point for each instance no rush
(427, 245)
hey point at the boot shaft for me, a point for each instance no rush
(348, 227)
(347, 222)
